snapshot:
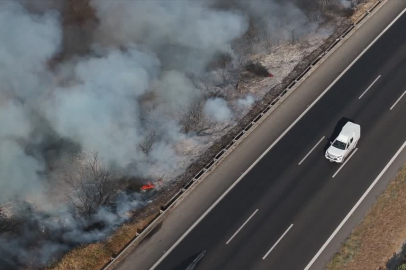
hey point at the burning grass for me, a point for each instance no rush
(147, 186)
(382, 232)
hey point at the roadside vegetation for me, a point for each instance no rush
(378, 241)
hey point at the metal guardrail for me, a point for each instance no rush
(226, 149)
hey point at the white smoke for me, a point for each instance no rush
(278, 20)
(246, 102)
(186, 34)
(27, 42)
(18, 181)
(346, 3)
(218, 110)
(100, 112)
(174, 91)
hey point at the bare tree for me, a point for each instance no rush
(269, 38)
(240, 63)
(316, 10)
(92, 184)
(206, 85)
(225, 67)
(323, 4)
(192, 118)
(194, 79)
(314, 14)
(210, 90)
(253, 35)
(8, 222)
(150, 138)
(249, 43)
(17, 214)
(152, 133)
(293, 38)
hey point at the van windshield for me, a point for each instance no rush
(340, 145)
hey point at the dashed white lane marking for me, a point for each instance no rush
(393, 106)
(339, 169)
(277, 242)
(311, 150)
(242, 226)
(369, 87)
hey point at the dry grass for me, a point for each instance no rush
(361, 9)
(382, 232)
(95, 256)
(92, 256)
(126, 232)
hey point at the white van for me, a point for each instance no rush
(344, 143)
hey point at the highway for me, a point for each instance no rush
(285, 208)
(307, 196)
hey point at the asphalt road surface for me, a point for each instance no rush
(281, 213)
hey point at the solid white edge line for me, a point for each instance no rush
(242, 226)
(339, 169)
(355, 207)
(397, 101)
(274, 143)
(277, 242)
(311, 150)
(369, 87)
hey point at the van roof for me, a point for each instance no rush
(347, 131)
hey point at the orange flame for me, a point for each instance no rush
(147, 186)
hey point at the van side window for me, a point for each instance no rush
(351, 140)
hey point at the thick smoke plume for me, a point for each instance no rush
(113, 78)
